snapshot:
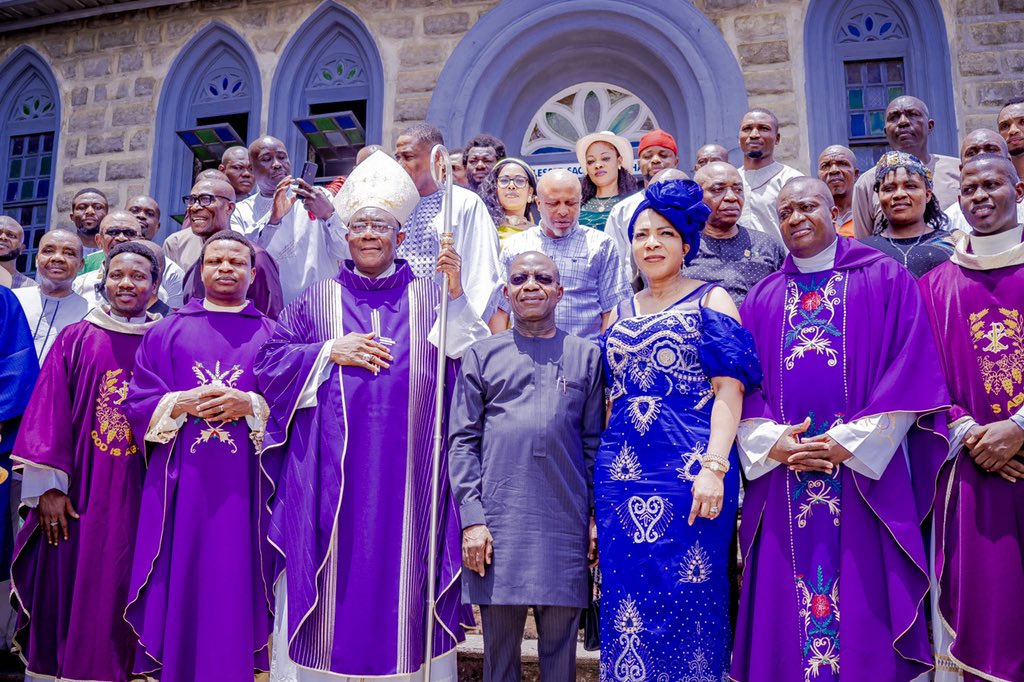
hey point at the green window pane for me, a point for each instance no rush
(895, 91)
(355, 136)
(856, 98)
(318, 140)
(325, 124)
(202, 154)
(44, 165)
(878, 123)
(207, 136)
(15, 169)
(28, 189)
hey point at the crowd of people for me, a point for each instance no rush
(713, 413)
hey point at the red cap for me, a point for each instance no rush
(658, 138)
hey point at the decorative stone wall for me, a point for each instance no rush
(110, 69)
(988, 58)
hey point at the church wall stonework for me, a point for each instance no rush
(110, 69)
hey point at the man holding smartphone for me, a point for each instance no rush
(308, 241)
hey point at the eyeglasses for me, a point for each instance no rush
(376, 227)
(506, 180)
(126, 232)
(540, 278)
(203, 200)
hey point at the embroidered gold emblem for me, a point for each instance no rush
(996, 335)
(115, 434)
(216, 377)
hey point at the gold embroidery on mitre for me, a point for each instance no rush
(996, 335)
(115, 434)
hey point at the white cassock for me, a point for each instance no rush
(306, 250)
(617, 227)
(761, 189)
(476, 241)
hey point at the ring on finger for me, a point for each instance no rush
(367, 358)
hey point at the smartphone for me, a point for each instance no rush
(308, 175)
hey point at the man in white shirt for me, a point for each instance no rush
(305, 238)
(53, 305)
(763, 176)
(476, 240)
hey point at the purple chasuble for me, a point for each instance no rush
(840, 345)
(198, 599)
(351, 509)
(71, 598)
(979, 520)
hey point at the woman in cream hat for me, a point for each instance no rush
(607, 160)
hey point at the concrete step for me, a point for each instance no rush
(471, 661)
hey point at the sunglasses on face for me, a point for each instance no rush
(118, 232)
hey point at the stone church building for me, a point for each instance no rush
(134, 96)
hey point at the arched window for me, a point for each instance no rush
(210, 101)
(328, 92)
(862, 55)
(522, 56)
(582, 109)
(29, 123)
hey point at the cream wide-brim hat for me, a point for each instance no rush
(621, 145)
(378, 182)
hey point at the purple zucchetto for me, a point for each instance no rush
(681, 202)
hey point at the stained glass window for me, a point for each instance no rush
(27, 189)
(334, 140)
(870, 86)
(208, 143)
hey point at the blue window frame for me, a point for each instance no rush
(214, 84)
(859, 56)
(330, 65)
(28, 140)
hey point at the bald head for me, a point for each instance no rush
(237, 167)
(212, 174)
(270, 163)
(710, 153)
(805, 186)
(558, 198)
(117, 227)
(147, 211)
(12, 241)
(207, 220)
(908, 125)
(716, 171)
(837, 168)
(669, 174)
(982, 141)
(365, 152)
(533, 289)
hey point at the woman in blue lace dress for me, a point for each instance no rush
(666, 479)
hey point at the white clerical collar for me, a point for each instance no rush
(993, 244)
(128, 320)
(824, 260)
(387, 273)
(214, 308)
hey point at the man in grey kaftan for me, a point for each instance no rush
(525, 426)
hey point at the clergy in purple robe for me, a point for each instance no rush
(976, 306)
(350, 376)
(198, 600)
(842, 447)
(209, 209)
(83, 471)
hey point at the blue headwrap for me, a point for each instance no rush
(681, 203)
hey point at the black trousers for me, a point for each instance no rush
(503, 626)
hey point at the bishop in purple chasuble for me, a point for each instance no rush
(71, 597)
(976, 306)
(351, 453)
(198, 598)
(840, 345)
